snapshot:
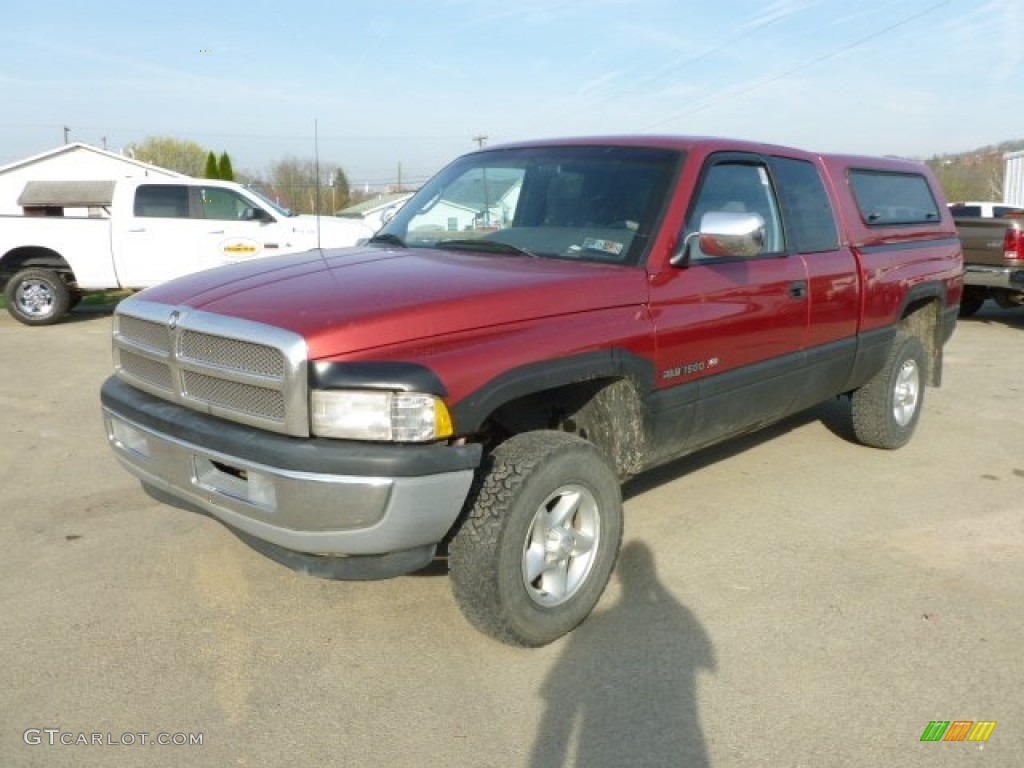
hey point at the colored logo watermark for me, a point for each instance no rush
(958, 730)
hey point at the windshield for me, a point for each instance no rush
(593, 203)
(270, 203)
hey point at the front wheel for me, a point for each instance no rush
(886, 409)
(37, 296)
(534, 555)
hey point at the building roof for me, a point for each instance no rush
(369, 206)
(78, 146)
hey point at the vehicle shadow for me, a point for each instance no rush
(834, 415)
(84, 312)
(991, 314)
(623, 692)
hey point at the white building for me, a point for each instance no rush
(376, 211)
(1013, 178)
(70, 162)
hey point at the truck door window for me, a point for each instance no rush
(737, 187)
(162, 201)
(810, 222)
(223, 204)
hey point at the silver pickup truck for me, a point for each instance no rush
(993, 259)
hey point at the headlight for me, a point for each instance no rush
(402, 417)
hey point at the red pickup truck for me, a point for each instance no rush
(538, 323)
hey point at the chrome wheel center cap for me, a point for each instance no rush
(560, 543)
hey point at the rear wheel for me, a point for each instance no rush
(37, 296)
(1007, 299)
(886, 409)
(533, 556)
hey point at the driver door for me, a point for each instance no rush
(730, 330)
(230, 232)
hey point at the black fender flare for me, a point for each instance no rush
(472, 411)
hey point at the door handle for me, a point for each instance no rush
(140, 229)
(798, 289)
(216, 232)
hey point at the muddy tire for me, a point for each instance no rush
(535, 552)
(886, 409)
(37, 297)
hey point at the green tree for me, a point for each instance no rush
(224, 169)
(211, 172)
(973, 175)
(342, 192)
(173, 154)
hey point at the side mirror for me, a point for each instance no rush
(258, 214)
(725, 234)
(388, 214)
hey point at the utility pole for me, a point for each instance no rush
(66, 132)
(480, 140)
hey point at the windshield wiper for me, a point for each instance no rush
(486, 246)
(387, 238)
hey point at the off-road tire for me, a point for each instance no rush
(509, 533)
(37, 296)
(886, 409)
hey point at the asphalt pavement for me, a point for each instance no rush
(787, 599)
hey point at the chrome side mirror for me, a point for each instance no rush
(726, 234)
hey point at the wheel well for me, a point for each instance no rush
(606, 412)
(922, 318)
(34, 256)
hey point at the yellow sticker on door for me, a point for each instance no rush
(240, 247)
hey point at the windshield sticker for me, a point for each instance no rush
(604, 246)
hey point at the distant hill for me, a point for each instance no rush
(976, 174)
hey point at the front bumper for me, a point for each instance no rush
(1008, 278)
(315, 496)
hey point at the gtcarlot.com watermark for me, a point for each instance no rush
(55, 737)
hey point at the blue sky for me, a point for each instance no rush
(410, 84)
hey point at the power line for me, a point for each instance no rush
(677, 65)
(799, 68)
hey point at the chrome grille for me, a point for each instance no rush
(144, 333)
(236, 369)
(231, 353)
(151, 371)
(233, 395)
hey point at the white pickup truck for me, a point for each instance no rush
(136, 232)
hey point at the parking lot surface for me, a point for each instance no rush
(788, 599)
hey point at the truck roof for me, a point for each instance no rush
(708, 144)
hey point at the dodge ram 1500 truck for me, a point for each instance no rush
(538, 323)
(993, 261)
(143, 231)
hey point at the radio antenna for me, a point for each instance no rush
(316, 174)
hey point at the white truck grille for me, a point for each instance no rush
(236, 369)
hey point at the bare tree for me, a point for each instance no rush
(296, 183)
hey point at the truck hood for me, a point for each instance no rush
(352, 299)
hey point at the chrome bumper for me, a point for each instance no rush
(1010, 278)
